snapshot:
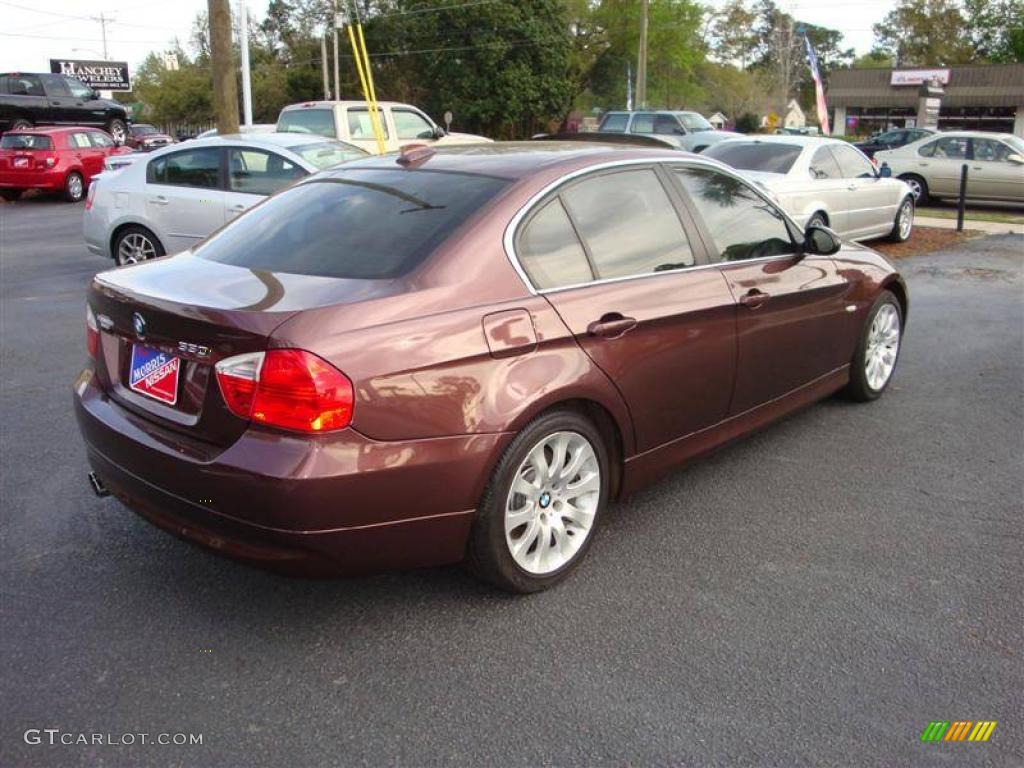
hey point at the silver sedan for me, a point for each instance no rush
(932, 166)
(168, 200)
(823, 181)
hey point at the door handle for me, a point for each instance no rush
(753, 298)
(159, 200)
(238, 208)
(852, 187)
(611, 326)
(54, 103)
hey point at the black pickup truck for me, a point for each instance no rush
(28, 99)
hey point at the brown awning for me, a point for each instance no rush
(996, 85)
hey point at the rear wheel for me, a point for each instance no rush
(21, 124)
(134, 245)
(879, 348)
(542, 505)
(903, 225)
(118, 131)
(918, 188)
(74, 187)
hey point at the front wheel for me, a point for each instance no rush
(538, 515)
(878, 350)
(918, 188)
(903, 224)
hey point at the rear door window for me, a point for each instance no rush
(359, 223)
(80, 141)
(549, 250)
(25, 85)
(255, 172)
(188, 168)
(643, 122)
(101, 140)
(628, 224)
(824, 165)
(55, 85)
(852, 163)
(667, 124)
(315, 121)
(614, 123)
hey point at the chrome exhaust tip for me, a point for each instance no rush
(97, 485)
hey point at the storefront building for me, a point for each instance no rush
(980, 97)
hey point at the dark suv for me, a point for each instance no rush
(29, 99)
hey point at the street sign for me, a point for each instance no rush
(101, 75)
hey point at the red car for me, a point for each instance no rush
(145, 137)
(466, 353)
(60, 160)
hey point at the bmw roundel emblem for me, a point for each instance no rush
(139, 323)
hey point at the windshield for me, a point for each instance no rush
(316, 121)
(1016, 142)
(25, 141)
(770, 157)
(360, 224)
(143, 130)
(694, 122)
(325, 154)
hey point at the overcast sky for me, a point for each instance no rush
(34, 31)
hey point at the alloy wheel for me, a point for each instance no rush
(75, 187)
(915, 187)
(883, 346)
(552, 503)
(135, 248)
(906, 220)
(119, 133)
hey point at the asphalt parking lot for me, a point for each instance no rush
(813, 595)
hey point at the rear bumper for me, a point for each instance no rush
(329, 505)
(51, 179)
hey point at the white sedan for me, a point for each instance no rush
(172, 198)
(823, 181)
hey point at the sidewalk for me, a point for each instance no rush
(992, 227)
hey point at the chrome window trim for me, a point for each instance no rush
(512, 227)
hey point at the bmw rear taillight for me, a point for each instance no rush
(92, 333)
(286, 388)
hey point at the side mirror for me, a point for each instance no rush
(1015, 158)
(439, 132)
(821, 241)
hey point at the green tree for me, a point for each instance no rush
(996, 29)
(925, 33)
(732, 37)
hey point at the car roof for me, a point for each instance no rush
(511, 160)
(973, 135)
(322, 103)
(285, 140)
(789, 138)
(652, 112)
(44, 129)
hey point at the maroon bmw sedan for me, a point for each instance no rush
(465, 354)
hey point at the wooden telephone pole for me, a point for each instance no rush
(641, 63)
(225, 92)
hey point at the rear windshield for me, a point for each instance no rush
(316, 121)
(325, 154)
(770, 157)
(364, 224)
(25, 141)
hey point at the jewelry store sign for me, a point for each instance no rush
(101, 75)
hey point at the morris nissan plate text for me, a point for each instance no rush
(466, 354)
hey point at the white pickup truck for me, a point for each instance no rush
(350, 121)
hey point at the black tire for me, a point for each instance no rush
(817, 219)
(859, 389)
(897, 234)
(20, 124)
(74, 187)
(135, 229)
(488, 556)
(10, 195)
(918, 188)
(118, 131)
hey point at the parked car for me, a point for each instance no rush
(145, 137)
(61, 160)
(254, 128)
(350, 121)
(688, 130)
(466, 353)
(824, 182)
(170, 199)
(28, 99)
(893, 139)
(932, 166)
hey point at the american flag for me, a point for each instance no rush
(819, 88)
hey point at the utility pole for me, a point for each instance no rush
(243, 45)
(323, 64)
(103, 20)
(641, 64)
(225, 92)
(334, 28)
